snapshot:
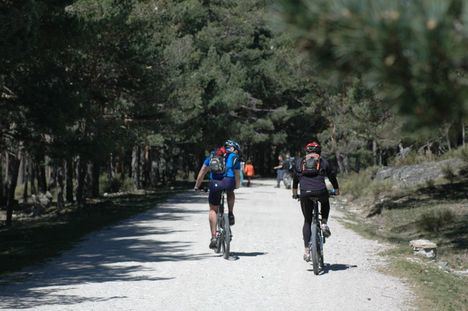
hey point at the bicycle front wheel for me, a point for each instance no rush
(226, 237)
(313, 249)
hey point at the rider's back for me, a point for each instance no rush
(314, 183)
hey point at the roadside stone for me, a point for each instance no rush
(411, 175)
(424, 248)
(443, 265)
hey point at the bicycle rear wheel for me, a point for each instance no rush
(320, 250)
(226, 237)
(219, 237)
(313, 249)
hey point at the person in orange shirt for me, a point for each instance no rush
(249, 171)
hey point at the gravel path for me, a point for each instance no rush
(160, 260)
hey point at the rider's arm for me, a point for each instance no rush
(237, 175)
(201, 174)
(331, 174)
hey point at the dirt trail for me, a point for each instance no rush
(160, 260)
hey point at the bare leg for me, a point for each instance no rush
(212, 218)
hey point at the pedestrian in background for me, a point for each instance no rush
(249, 172)
(279, 171)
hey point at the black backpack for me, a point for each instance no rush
(310, 166)
(217, 164)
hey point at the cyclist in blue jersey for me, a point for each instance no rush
(225, 175)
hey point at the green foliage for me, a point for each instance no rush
(435, 219)
(412, 51)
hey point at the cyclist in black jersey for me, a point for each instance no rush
(309, 174)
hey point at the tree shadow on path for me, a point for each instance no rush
(114, 254)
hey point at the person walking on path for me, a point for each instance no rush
(279, 171)
(249, 172)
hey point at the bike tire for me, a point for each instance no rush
(320, 250)
(226, 237)
(313, 248)
(219, 239)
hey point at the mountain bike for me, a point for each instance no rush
(317, 239)
(223, 230)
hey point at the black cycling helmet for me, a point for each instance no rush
(231, 143)
(313, 147)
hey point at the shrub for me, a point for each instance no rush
(127, 185)
(379, 187)
(461, 153)
(115, 185)
(430, 183)
(412, 158)
(434, 220)
(449, 173)
(464, 154)
(358, 184)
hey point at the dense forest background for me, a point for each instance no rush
(127, 93)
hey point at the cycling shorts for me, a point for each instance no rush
(216, 188)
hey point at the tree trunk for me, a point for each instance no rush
(374, 152)
(5, 178)
(357, 167)
(69, 179)
(32, 178)
(147, 167)
(81, 176)
(463, 134)
(121, 165)
(449, 145)
(14, 164)
(41, 176)
(95, 171)
(110, 171)
(2, 193)
(60, 187)
(339, 160)
(136, 169)
(345, 163)
(26, 177)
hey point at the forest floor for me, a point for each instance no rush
(159, 260)
(438, 212)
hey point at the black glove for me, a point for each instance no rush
(295, 196)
